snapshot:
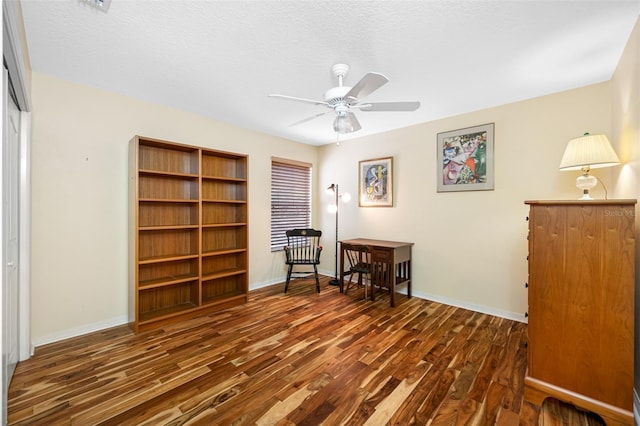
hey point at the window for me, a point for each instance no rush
(290, 199)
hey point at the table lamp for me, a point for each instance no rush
(585, 153)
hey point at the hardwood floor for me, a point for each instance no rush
(297, 359)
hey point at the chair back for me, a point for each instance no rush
(303, 246)
(358, 257)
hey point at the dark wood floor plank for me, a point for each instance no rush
(435, 397)
(299, 358)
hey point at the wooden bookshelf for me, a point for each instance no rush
(188, 231)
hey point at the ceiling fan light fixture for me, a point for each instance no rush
(342, 123)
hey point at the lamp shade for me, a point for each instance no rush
(592, 151)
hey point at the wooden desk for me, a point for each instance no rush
(390, 264)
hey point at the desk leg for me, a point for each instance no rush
(373, 278)
(409, 278)
(341, 283)
(393, 276)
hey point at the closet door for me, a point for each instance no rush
(10, 232)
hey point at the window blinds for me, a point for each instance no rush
(290, 200)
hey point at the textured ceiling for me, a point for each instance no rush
(222, 58)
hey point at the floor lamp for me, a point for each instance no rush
(333, 208)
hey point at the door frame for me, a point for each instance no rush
(14, 54)
(15, 57)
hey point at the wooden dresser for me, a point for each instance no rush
(581, 305)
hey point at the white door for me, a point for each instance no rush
(10, 240)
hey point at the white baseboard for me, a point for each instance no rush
(327, 273)
(78, 331)
(514, 316)
(255, 286)
(281, 280)
(101, 325)
(636, 406)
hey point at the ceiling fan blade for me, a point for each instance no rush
(368, 84)
(389, 106)
(354, 122)
(293, 98)
(304, 120)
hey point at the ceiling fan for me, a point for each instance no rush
(342, 98)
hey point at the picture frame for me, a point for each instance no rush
(466, 159)
(375, 182)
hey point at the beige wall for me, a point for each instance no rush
(79, 178)
(470, 247)
(626, 139)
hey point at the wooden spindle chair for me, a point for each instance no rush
(359, 259)
(303, 248)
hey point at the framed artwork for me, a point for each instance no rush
(375, 183)
(465, 159)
